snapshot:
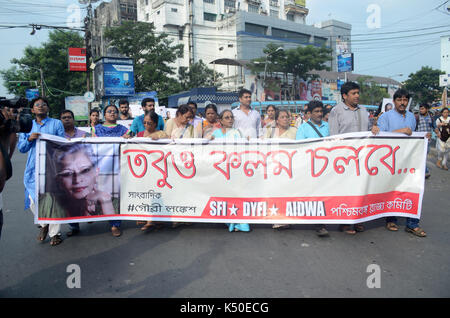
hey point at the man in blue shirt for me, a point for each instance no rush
(306, 130)
(148, 104)
(315, 127)
(401, 121)
(27, 143)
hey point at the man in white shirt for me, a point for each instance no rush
(246, 119)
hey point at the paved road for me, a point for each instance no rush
(204, 260)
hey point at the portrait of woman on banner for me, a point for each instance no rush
(71, 183)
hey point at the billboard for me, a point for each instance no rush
(345, 62)
(78, 105)
(31, 93)
(77, 59)
(114, 77)
(118, 79)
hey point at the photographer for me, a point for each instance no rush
(7, 140)
(11, 122)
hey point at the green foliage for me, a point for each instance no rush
(198, 75)
(424, 85)
(151, 53)
(52, 58)
(297, 62)
(370, 92)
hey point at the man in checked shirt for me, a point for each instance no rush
(425, 123)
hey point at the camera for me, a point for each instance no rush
(23, 121)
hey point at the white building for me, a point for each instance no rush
(237, 29)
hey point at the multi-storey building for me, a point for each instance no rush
(238, 30)
(108, 14)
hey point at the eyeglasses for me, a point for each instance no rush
(69, 173)
(228, 117)
(148, 122)
(40, 105)
(111, 112)
(66, 117)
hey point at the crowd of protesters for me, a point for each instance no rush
(316, 121)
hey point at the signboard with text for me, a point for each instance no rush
(77, 59)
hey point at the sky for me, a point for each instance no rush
(390, 38)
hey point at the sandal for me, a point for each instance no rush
(391, 226)
(322, 232)
(116, 231)
(359, 227)
(147, 226)
(140, 223)
(416, 231)
(56, 240)
(280, 226)
(347, 229)
(43, 233)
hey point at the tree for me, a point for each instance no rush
(370, 92)
(151, 53)
(424, 85)
(297, 62)
(198, 75)
(52, 58)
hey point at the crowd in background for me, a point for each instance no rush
(315, 121)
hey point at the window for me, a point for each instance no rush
(146, 17)
(253, 8)
(274, 13)
(174, 9)
(209, 17)
(255, 28)
(209, 1)
(290, 17)
(320, 41)
(146, 2)
(230, 4)
(289, 35)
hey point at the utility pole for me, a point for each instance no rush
(87, 39)
(191, 33)
(41, 74)
(42, 82)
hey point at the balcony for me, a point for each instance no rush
(295, 8)
(158, 3)
(274, 3)
(257, 2)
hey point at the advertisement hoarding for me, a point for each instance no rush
(118, 79)
(77, 59)
(345, 62)
(79, 106)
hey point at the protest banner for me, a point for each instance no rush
(343, 179)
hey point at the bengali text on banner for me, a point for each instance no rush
(343, 179)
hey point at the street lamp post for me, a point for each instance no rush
(42, 77)
(267, 58)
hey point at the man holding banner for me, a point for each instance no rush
(27, 143)
(401, 121)
(347, 117)
(315, 128)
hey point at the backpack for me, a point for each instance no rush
(445, 132)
